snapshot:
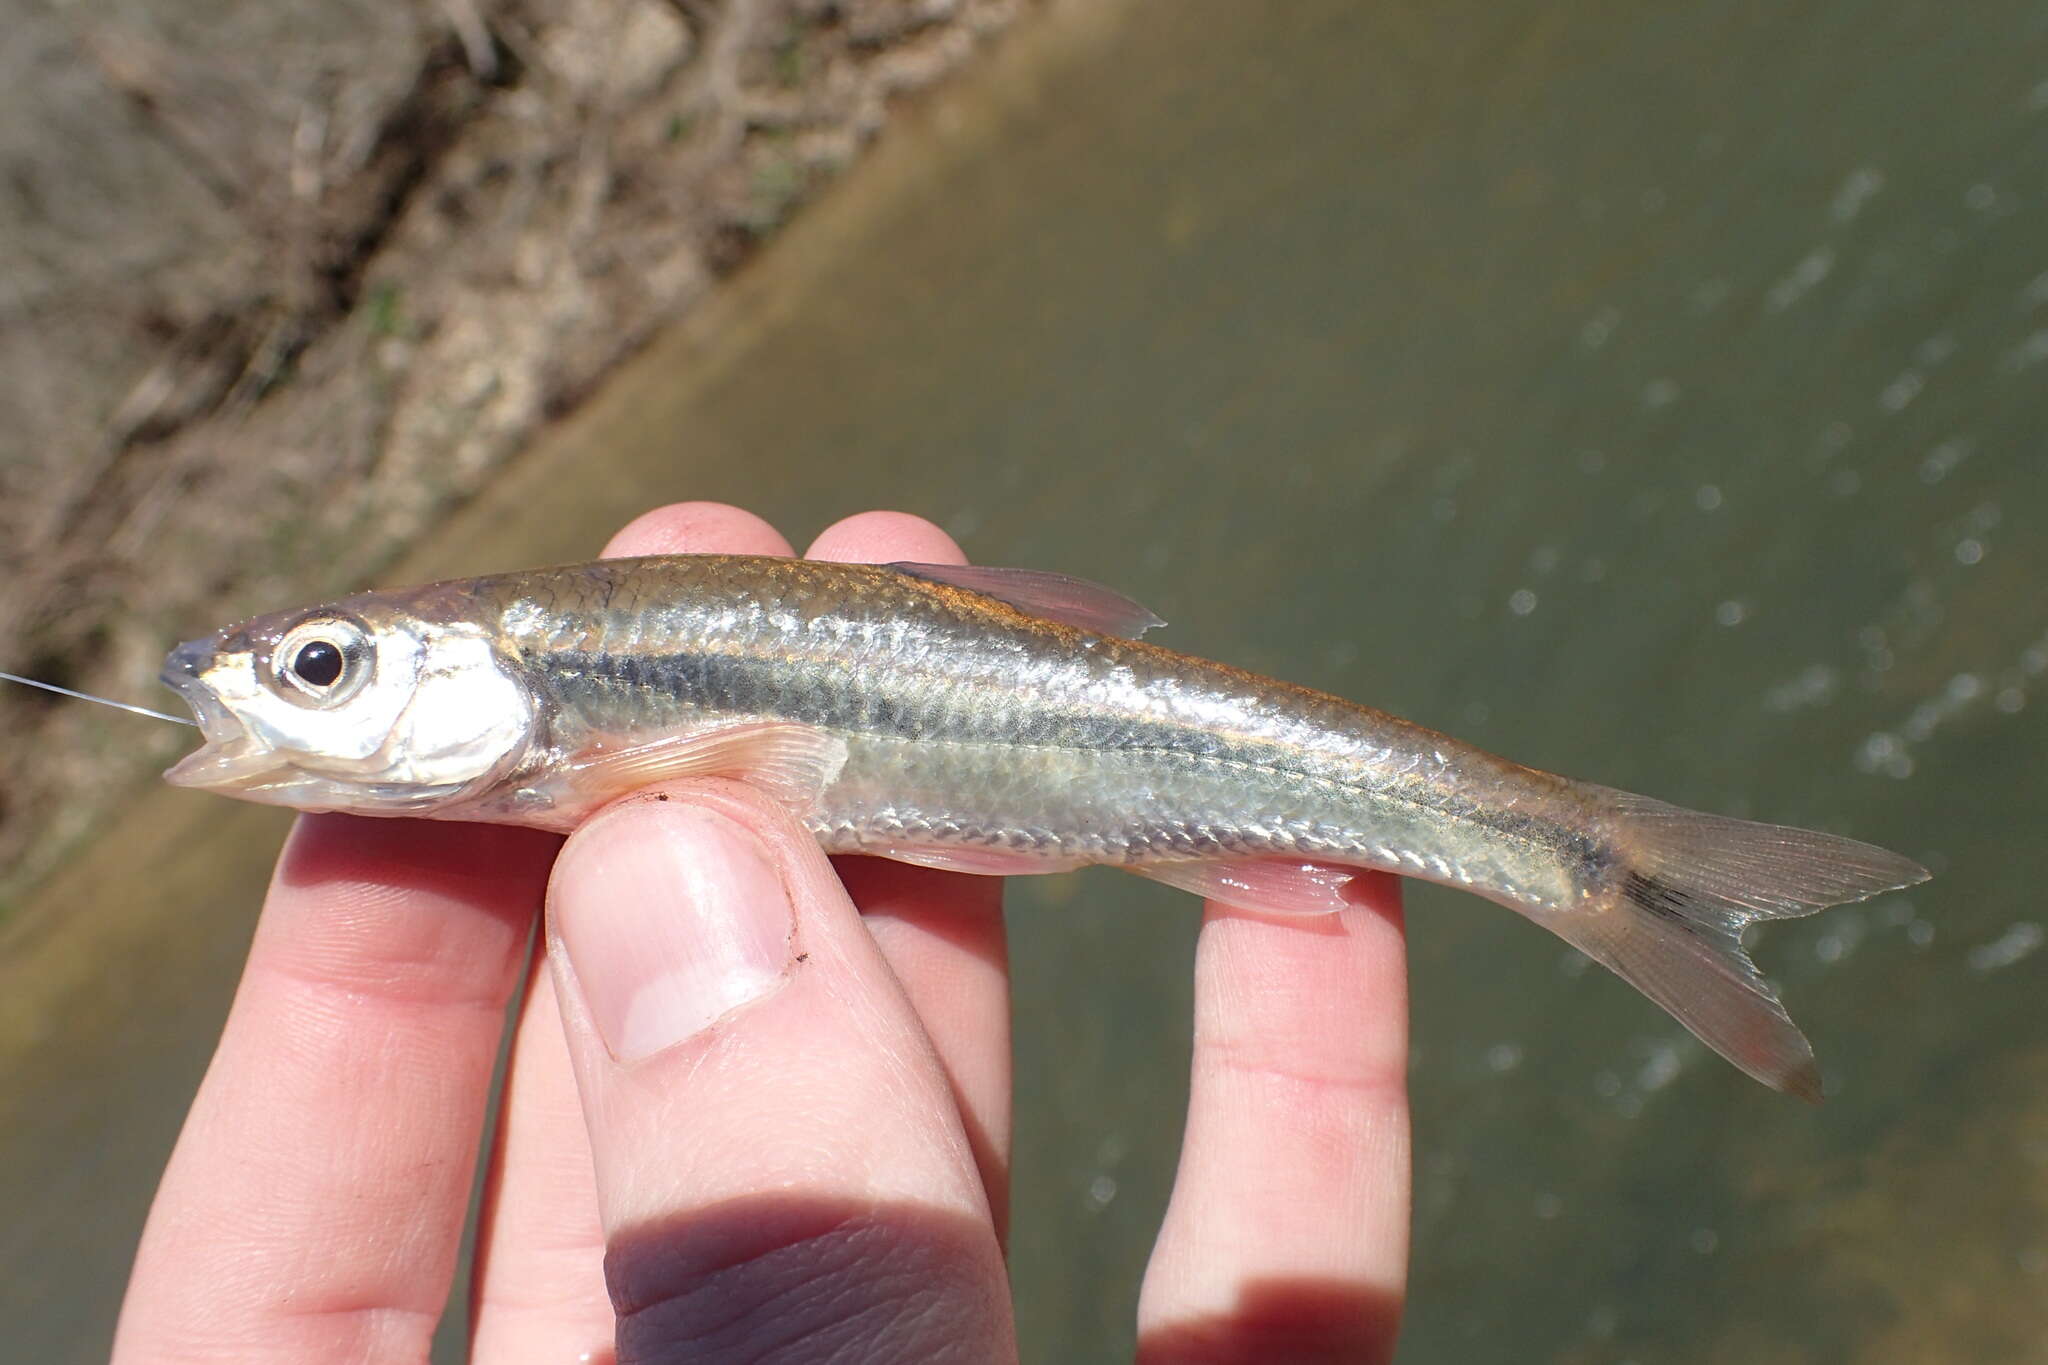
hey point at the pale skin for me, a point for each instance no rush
(816, 1169)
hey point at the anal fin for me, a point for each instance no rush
(1273, 886)
(979, 862)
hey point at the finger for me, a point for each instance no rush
(314, 1204)
(1287, 1233)
(537, 1292)
(537, 1288)
(780, 1168)
(697, 528)
(883, 537)
(942, 932)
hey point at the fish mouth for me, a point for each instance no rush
(229, 757)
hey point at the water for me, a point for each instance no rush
(1652, 396)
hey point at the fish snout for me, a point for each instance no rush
(183, 666)
(184, 672)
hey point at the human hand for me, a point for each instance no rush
(792, 1135)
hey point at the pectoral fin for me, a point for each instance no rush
(1056, 597)
(792, 763)
(1273, 886)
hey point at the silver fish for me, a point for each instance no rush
(995, 721)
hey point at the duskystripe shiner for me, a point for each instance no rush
(994, 721)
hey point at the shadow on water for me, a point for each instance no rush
(1654, 395)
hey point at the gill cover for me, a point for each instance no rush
(350, 710)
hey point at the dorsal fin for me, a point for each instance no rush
(1055, 596)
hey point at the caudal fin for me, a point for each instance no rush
(1685, 886)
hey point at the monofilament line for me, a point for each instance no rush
(103, 701)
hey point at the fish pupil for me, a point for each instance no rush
(318, 663)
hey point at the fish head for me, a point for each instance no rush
(363, 705)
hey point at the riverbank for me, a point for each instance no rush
(283, 285)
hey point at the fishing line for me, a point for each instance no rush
(103, 701)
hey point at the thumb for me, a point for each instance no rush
(780, 1166)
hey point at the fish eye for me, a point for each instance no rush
(322, 662)
(317, 663)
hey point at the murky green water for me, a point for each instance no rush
(1653, 396)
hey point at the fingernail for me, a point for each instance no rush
(668, 916)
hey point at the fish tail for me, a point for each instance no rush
(1670, 903)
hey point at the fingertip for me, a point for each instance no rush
(410, 908)
(329, 850)
(669, 921)
(1295, 1163)
(683, 528)
(881, 537)
(1380, 893)
(683, 902)
(785, 842)
(341, 1109)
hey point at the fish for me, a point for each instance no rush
(990, 721)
